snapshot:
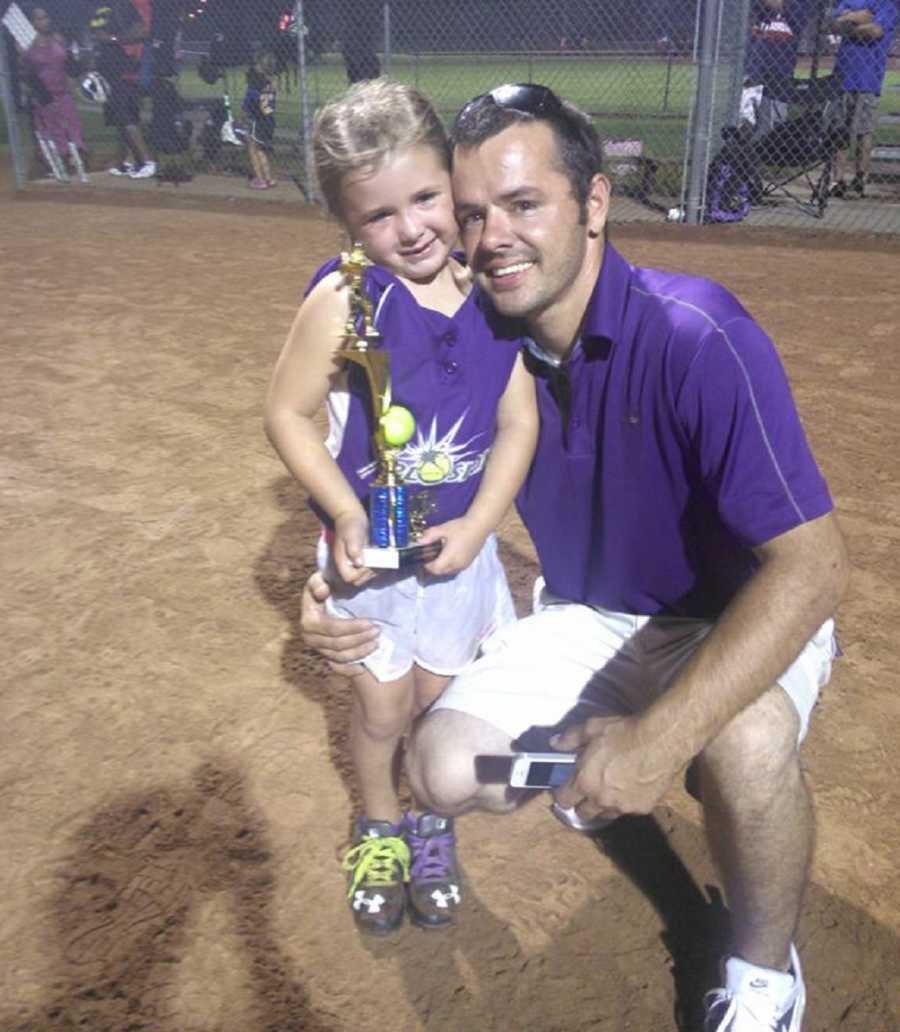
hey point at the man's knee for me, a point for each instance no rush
(756, 754)
(441, 764)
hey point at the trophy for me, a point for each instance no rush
(395, 519)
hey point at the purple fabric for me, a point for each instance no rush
(48, 62)
(450, 373)
(683, 450)
(59, 121)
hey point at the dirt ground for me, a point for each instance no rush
(174, 784)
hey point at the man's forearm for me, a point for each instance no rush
(755, 640)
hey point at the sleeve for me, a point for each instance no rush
(751, 453)
(323, 270)
(885, 14)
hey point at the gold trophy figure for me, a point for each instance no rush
(394, 521)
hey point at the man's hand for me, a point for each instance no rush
(618, 771)
(342, 642)
(461, 541)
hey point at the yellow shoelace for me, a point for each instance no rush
(374, 861)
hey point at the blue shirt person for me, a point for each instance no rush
(867, 29)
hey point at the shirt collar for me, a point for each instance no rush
(603, 316)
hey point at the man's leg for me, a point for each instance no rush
(760, 825)
(441, 763)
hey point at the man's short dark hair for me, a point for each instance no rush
(579, 147)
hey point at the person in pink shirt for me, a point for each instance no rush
(57, 125)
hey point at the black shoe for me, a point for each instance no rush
(839, 189)
(858, 186)
(434, 883)
(378, 866)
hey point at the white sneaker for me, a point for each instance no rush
(125, 169)
(146, 171)
(757, 999)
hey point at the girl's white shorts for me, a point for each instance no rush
(438, 623)
(568, 662)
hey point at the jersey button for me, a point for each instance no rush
(450, 339)
(450, 366)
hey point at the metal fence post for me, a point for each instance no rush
(20, 165)
(387, 38)
(698, 143)
(310, 186)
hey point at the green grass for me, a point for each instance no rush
(636, 98)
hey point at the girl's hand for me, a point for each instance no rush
(462, 541)
(351, 535)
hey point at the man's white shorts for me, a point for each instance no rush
(438, 623)
(568, 662)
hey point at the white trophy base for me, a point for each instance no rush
(397, 558)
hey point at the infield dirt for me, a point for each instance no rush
(175, 786)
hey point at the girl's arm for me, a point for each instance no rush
(507, 466)
(300, 382)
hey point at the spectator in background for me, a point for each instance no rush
(361, 28)
(47, 69)
(867, 29)
(168, 134)
(259, 106)
(119, 28)
(776, 29)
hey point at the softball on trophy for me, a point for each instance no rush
(398, 425)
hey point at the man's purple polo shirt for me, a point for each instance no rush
(683, 449)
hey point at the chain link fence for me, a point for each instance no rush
(711, 110)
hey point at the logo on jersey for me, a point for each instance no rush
(430, 459)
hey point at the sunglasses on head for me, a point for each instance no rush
(527, 97)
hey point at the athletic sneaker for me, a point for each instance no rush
(146, 171)
(434, 882)
(757, 999)
(258, 184)
(378, 864)
(858, 186)
(123, 169)
(838, 189)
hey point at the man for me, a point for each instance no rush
(867, 31)
(690, 557)
(118, 29)
(775, 32)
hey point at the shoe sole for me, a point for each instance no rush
(430, 926)
(374, 930)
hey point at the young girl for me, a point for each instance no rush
(56, 122)
(259, 106)
(382, 160)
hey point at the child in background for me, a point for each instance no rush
(56, 122)
(382, 160)
(259, 106)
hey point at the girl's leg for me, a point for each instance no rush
(434, 881)
(253, 155)
(382, 711)
(378, 861)
(428, 686)
(265, 169)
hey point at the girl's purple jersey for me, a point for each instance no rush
(450, 372)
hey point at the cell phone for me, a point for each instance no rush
(541, 770)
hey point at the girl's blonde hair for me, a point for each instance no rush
(365, 125)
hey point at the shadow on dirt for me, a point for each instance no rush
(612, 967)
(123, 917)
